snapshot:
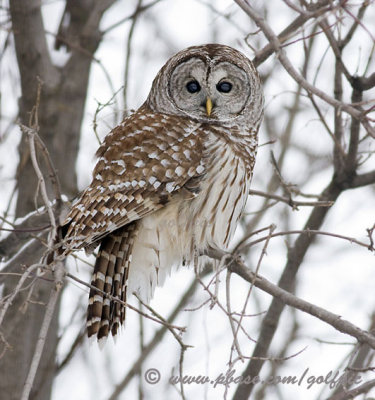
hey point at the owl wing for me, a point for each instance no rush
(143, 163)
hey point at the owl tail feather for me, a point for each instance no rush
(110, 277)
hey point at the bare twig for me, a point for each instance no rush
(153, 343)
(271, 229)
(237, 266)
(316, 10)
(123, 303)
(164, 322)
(101, 106)
(284, 60)
(235, 344)
(135, 17)
(291, 202)
(32, 133)
(16, 290)
(351, 394)
(130, 17)
(59, 271)
(309, 232)
(52, 171)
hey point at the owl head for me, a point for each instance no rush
(211, 83)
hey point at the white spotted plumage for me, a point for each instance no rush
(171, 180)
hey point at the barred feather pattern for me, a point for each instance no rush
(110, 277)
(141, 162)
(166, 187)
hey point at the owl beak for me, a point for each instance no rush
(208, 106)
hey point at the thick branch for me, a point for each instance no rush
(289, 299)
(286, 282)
(317, 9)
(31, 47)
(365, 179)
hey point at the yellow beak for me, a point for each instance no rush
(208, 106)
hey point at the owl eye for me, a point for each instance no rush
(193, 87)
(224, 87)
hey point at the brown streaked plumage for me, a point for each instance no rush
(171, 180)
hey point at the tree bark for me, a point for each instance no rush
(60, 114)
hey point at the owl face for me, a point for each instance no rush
(211, 84)
(209, 91)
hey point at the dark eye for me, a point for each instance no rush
(224, 87)
(193, 87)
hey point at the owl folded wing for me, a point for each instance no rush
(143, 163)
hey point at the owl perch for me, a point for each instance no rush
(171, 180)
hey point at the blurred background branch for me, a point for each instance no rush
(304, 236)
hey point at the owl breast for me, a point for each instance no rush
(214, 213)
(193, 222)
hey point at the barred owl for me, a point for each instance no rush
(171, 180)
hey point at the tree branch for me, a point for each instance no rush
(136, 367)
(317, 9)
(31, 46)
(286, 282)
(288, 66)
(351, 394)
(55, 293)
(365, 179)
(238, 267)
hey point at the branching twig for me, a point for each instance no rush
(165, 323)
(291, 202)
(49, 313)
(32, 133)
(238, 267)
(16, 290)
(284, 60)
(153, 343)
(353, 393)
(311, 232)
(123, 303)
(135, 17)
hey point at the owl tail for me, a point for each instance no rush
(110, 277)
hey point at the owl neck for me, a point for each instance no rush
(243, 142)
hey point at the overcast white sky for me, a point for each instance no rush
(335, 275)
